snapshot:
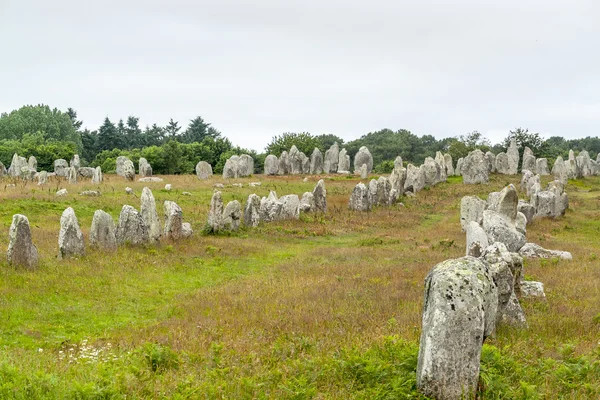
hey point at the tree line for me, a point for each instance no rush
(50, 134)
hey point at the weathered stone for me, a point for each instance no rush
(42, 178)
(129, 170)
(363, 157)
(449, 164)
(19, 167)
(502, 166)
(148, 179)
(215, 213)
(532, 250)
(559, 170)
(246, 166)
(531, 289)
(230, 170)
(75, 162)
(455, 324)
(562, 199)
(32, 163)
(528, 181)
(61, 167)
(507, 203)
(120, 165)
(131, 228)
(490, 159)
(500, 229)
(296, 160)
(150, 215)
(316, 162)
(475, 169)
(441, 161)
(284, 164)
(86, 172)
(471, 210)
(344, 162)
(398, 176)
(72, 176)
(254, 184)
(331, 160)
(521, 223)
(61, 192)
(97, 177)
(432, 172)
(271, 165)
(307, 202)
(3, 171)
(584, 163)
(373, 193)
(320, 197)
(70, 237)
(252, 211)
(186, 230)
(529, 161)
(103, 232)
(168, 186)
(477, 240)
(541, 167)
(415, 179)
(359, 200)
(232, 214)
(129, 190)
(459, 165)
(144, 167)
(21, 250)
(291, 207)
(173, 220)
(270, 208)
(91, 193)
(527, 210)
(364, 172)
(513, 157)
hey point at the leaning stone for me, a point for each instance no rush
(150, 215)
(359, 200)
(21, 250)
(70, 237)
(477, 240)
(42, 178)
(471, 209)
(103, 232)
(131, 228)
(532, 250)
(232, 214)
(252, 211)
(320, 197)
(456, 321)
(215, 213)
(173, 220)
(61, 193)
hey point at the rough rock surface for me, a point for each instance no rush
(61, 192)
(290, 207)
(398, 176)
(499, 229)
(449, 164)
(331, 159)
(359, 200)
(320, 197)
(532, 250)
(415, 179)
(17, 165)
(252, 211)
(307, 202)
(70, 237)
(316, 162)
(131, 228)
(232, 214)
(72, 176)
(215, 213)
(477, 240)
(284, 166)
(103, 232)
(490, 159)
(344, 162)
(471, 209)
(21, 250)
(144, 167)
(459, 164)
(475, 169)
(432, 171)
(75, 162)
(128, 170)
(455, 323)
(441, 161)
(173, 220)
(203, 170)
(502, 166)
(529, 161)
(513, 157)
(559, 170)
(61, 167)
(186, 230)
(86, 172)
(527, 210)
(541, 166)
(271, 165)
(97, 177)
(42, 178)
(363, 156)
(150, 215)
(532, 289)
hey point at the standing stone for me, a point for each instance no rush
(270, 208)
(232, 216)
(17, 165)
(359, 200)
(144, 167)
(245, 166)
(527, 210)
(441, 161)
(296, 160)
(103, 232)
(456, 321)
(471, 210)
(477, 240)
(120, 165)
(97, 178)
(173, 220)
(86, 172)
(203, 170)
(21, 250)
(42, 178)
(331, 160)
(373, 193)
(291, 207)
(231, 168)
(490, 158)
(215, 214)
(398, 176)
(344, 162)
(316, 162)
(186, 230)
(500, 229)
(364, 171)
(32, 163)
(271, 165)
(449, 164)
(432, 172)
(541, 166)
(363, 157)
(61, 167)
(252, 211)
(150, 215)
(559, 170)
(415, 179)
(502, 164)
(72, 176)
(459, 164)
(3, 171)
(513, 157)
(320, 196)
(131, 228)
(284, 167)
(129, 170)
(305, 163)
(75, 162)
(529, 161)
(475, 169)
(70, 237)
(307, 202)
(384, 187)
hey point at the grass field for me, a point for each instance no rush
(327, 307)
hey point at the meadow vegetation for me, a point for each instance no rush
(327, 307)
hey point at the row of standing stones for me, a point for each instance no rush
(144, 227)
(466, 299)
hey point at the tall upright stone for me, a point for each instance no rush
(21, 250)
(232, 215)
(203, 170)
(320, 196)
(449, 164)
(491, 161)
(252, 211)
(360, 199)
(344, 162)
(42, 178)
(363, 157)
(271, 165)
(103, 232)
(73, 175)
(475, 168)
(144, 167)
(32, 163)
(75, 162)
(296, 160)
(441, 161)
(97, 177)
(415, 179)
(284, 167)
(17, 165)
(331, 159)
(215, 213)
(61, 167)
(173, 220)
(150, 215)
(432, 172)
(316, 162)
(129, 170)
(70, 237)
(513, 157)
(131, 228)
(502, 165)
(529, 161)
(541, 166)
(559, 170)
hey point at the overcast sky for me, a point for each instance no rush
(258, 68)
